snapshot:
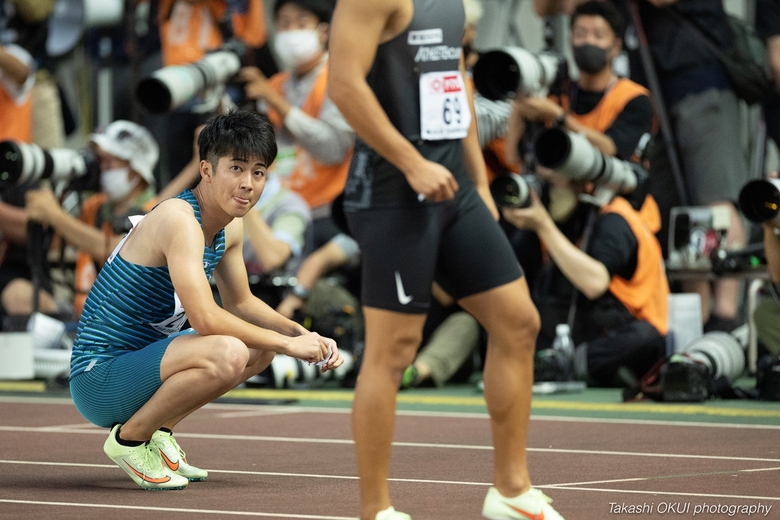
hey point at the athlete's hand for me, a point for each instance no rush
(433, 181)
(309, 347)
(335, 359)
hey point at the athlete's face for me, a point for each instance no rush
(237, 182)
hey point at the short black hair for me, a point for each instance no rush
(603, 9)
(239, 133)
(322, 9)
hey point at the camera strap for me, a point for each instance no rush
(589, 224)
(659, 104)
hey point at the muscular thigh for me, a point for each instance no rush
(112, 391)
(398, 247)
(474, 254)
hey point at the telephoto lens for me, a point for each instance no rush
(170, 87)
(572, 155)
(24, 163)
(514, 71)
(759, 201)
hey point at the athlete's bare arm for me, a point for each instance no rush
(170, 235)
(358, 27)
(238, 299)
(234, 291)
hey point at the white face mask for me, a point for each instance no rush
(297, 47)
(114, 183)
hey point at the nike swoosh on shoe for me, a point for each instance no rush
(168, 462)
(526, 514)
(147, 478)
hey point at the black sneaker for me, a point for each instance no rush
(719, 323)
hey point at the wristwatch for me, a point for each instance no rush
(300, 291)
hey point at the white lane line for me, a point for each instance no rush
(255, 473)
(291, 409)
(310, 440)
(176, 510)
(574, 486)
(566, 485)
(665, 493)
(660, 477)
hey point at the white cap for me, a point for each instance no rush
(562, 329)
(131, 142)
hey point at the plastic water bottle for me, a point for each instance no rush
(564, 348)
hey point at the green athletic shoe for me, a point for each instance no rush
(174, 457)
(531, 505)
(409, 377)
(143, 464)
(391, 514)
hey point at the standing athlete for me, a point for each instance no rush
(133, 369)
(418, 203)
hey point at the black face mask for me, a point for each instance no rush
(590, 58)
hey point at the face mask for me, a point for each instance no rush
(297, 47)
(114, 183)
(590, 58)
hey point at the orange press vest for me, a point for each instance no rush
(15, 120)
(611, 105)
(316, 182)
(645, 294)
(601, 118)
(187, 30)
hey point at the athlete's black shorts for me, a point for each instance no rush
(405, 248)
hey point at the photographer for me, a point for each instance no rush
(705, 119)
(188, 30)
(277, 235)
(622, 316)
(127, 154)
(315, 142)
(613, 113)
(17, 77)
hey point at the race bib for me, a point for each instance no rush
(444, 106)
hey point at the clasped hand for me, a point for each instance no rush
(313, 348)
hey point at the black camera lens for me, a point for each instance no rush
(10, 162)
(759, 200)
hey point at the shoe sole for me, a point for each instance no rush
(178, 488)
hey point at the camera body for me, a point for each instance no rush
(25, 163)
(759, 201)
(513, 71)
